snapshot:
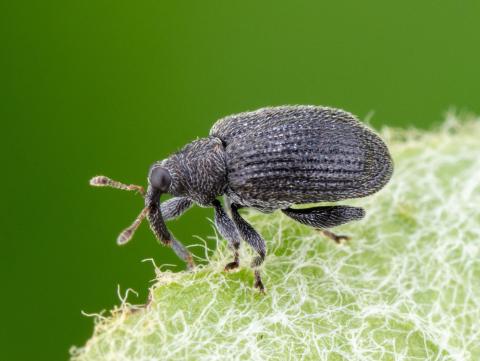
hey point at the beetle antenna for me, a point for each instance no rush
(102, 181)
(128, 233)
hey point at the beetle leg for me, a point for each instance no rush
(171, 209)
(175, 207)
(251, 236)
(159, 228)
(326, 217)
(337, 238)
(182, 252)
(228, 230)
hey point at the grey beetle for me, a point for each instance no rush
(268, 159)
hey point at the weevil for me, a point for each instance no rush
(269, 159)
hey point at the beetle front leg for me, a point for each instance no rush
(251, 236)
(182, 252)
(228, 230)
(159, 228)
(171, 209)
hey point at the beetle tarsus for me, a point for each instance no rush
(337, 238)
(182, 253)
(190, 263)
(258, 282)
(231, 266)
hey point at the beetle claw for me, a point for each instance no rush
(259, 285)
(340, 239)
(337, 238)
(190, 263)
(231, 266)
(258, 282)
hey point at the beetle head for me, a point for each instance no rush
(159, 181)
(159, 178)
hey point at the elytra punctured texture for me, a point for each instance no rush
(279, 156)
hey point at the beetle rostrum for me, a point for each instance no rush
(269, 159)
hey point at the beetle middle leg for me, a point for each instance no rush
(228, 230)
(251, 236)
(325, 217)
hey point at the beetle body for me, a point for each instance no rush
(272, 158)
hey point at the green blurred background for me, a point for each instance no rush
(108, 87)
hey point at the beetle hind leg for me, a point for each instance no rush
(325, 217)
(337, 238)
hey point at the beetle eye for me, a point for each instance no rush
(160, 179)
